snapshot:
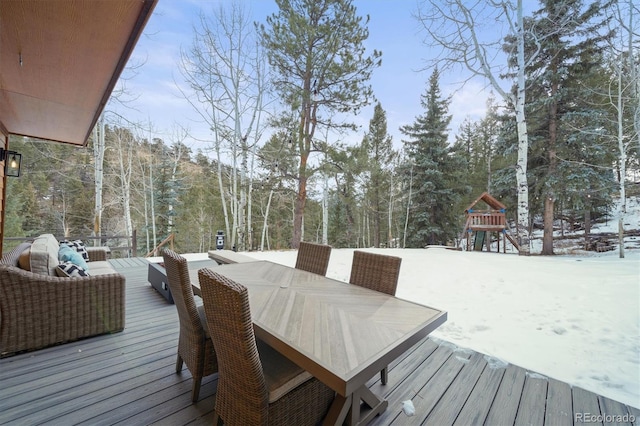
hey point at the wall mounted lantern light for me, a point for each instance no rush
(12, 162)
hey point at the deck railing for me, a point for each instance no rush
(486, 219)
(156, 251)
(129, 250)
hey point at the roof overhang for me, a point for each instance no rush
(60, 60)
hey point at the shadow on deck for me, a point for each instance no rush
(130, 378)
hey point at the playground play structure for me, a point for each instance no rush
(480, 224)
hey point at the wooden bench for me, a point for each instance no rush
(224, 257)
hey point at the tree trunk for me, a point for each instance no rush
(587, 219)
(152, 204)
(265, 222)
(523, 145)
(406, 219)
(174, 177)
(98, 150)
(301, 199)
(125, 158)
(623, 168)
(146, 209)
(390, 214)
(547, 239)
(250, 205)
(221, 187)
(634, 71)
(549, 197)
(325, 212)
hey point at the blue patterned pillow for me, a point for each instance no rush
(78, 246)
(67, 254)
(68, 269)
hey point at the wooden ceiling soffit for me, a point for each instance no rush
(60, 60)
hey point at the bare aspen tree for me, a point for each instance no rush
(624, 95)
(124, 149)
(454, 27)
(265, 224)
(99, 147)
(225, 69)
(178, 152)
(145, 166)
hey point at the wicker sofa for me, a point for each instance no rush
(39, 310)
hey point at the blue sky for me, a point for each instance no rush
(397, 84)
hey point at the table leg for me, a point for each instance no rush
(376, 404)
(338, 411)
(342, 406)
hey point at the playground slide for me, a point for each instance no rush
(479, 240)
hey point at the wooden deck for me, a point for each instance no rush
(129, 378)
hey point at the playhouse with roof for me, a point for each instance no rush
(484, 216)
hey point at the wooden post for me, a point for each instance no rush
(504, 241)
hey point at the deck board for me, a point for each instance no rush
(477, 407)
(585, 402)
(451, 403)
(559, 405)
(129, 378)
(533, 401)
(435, 388)
(617, 411)
(505, 405)
(407, 387)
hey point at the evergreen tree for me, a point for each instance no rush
(343, 203)
(377, 147)
(316, 49)
(432, 218)
(570, 50)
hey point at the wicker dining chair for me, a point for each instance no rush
(195, 347)
(377, 272)
(256, 385)
(313, 257)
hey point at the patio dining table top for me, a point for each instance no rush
(341, 333)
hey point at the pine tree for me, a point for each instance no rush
(570, 46)
(432, 218)
(377, 146)
(316, 49)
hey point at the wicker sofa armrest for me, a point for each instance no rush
(98, 253)
(11, 258)
(37, 311)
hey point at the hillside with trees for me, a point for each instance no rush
(271, 179)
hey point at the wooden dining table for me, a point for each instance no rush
(341, 333)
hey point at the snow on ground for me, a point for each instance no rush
(575, 318)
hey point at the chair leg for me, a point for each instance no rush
(195, 391)
(217, 421)
(179, 364)
(384, 375)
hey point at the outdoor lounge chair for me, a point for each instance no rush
(313, 257)
(195, 347)
(256, 385)
(376, 272)
(38, 310)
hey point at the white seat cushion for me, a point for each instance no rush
(280, 374)
(100, 267)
